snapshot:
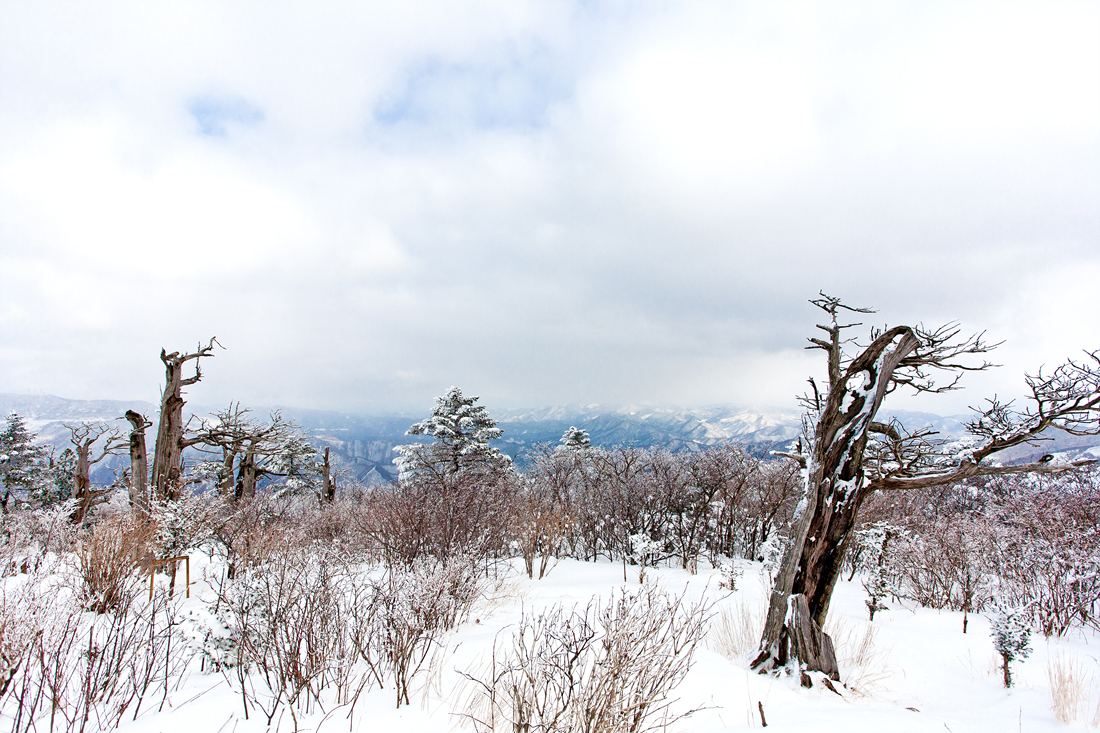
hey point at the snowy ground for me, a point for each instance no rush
(920, 674)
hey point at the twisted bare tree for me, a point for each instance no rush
(251, 451)
(84, 437)
(846, 455)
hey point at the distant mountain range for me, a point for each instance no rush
(364, 445)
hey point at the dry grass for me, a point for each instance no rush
(862, 660)
(505, 591)
(735, 631)
(1068, 687)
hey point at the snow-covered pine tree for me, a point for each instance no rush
(462, 430)
(874, 541)
(1011, 634)
(575, 439)
(24, 466)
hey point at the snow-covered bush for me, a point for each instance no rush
(607, 668)
(771, 553)
(644, 552)
(731, 571)
(65, 668)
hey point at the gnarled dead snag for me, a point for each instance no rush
(328, 488)
(849, 455)
(168, 453)
(139, 463)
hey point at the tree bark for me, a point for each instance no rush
(807, 642)
(328, 490)
(246, 477)
(139, 464)
(834, 488)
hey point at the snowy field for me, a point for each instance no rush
(912, 670)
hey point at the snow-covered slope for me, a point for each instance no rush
(911, 670)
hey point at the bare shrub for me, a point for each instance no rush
(539, 530)
(1047, 550)
(413, 609)
(608, 668)
(26, 536)
(288, 621)
(108, 555)
(464, 515)
(73, 670)
(251, 531)
(297, 624)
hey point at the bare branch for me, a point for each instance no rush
(800, 459)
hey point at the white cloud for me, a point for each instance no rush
(542, 202)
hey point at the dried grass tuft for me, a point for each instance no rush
(735, 631)
(864, 663)
(1068, 687)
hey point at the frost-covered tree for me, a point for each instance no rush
(1011, 638)
(874, 541)
(59, 487)
(251, 451)
(24, 466)
(846, 455)
(84, 438)
(462, 430)
(575, 439)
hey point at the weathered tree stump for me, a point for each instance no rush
(805, 641)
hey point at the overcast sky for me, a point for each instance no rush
(542, 203)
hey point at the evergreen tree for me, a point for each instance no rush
(23, 465)
(1011, 637)
(575, 439)
(58, 486)
(462, 431)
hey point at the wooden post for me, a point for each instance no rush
(153, 571)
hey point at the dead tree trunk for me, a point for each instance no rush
(246, 477)
(168, 453)
(139, 464)
(328, 489)
(835, 486)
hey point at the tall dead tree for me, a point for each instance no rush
(846, 455)
(84, 437)
(168, 454)
(139, 463)
(328, 488)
